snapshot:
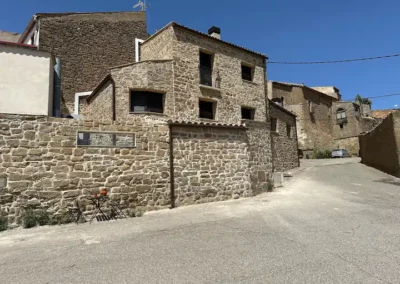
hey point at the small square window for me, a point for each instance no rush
(288, 130)
(247, 73)
(206, 109)
(274, 123)
(341, 126)
(248, 113)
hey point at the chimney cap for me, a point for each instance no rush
(214, 29)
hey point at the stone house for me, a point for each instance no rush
(187, 121)
(324, 121)
(9, 37)
(284, 138)
(85, 45)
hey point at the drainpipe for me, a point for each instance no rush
(113, 100)
(57, 89)
(171, 166)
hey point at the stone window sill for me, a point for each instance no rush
(249, 82)
(148, 113)
(207, 120)
(210, 88)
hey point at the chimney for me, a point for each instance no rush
(215, 32)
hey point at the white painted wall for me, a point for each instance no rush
(26, 81)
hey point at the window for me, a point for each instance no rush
(143, 101)
(341, 126)
(288, 129)
(248, 113)
(340, 114)
(274, 123)
(207, 109)
(205, 69)
(247, 73)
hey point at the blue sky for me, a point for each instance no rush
(285, 30)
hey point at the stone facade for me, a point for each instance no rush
(88, 44)
(380, 147)
(178, 158)
(318, 126)
(313, 110)
(184, 46)
(284, 139)
(210, 164)
(40, 162)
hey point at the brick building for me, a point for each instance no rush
(87, 44)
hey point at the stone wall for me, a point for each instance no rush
(260, 154)
(184, 47)
(41, 164)
(284, 142)
(313, 110)
(352, 125)
(379, 148)
(350, 144)
(88, 45)
(210, 164)
(155, 76)
(101, 106)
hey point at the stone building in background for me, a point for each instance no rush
(9, 37)
(324, 121)
(86, 44)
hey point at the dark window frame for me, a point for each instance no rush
(247, 113)
(206, 62)
(207, 109)
(274, 124)
(247, 72)
(150, 101)
(288, 130)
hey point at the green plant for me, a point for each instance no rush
(42, 218)
(3, 223)
(29, 219)
(270, 185)
(321, 154)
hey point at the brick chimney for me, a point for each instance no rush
(215, 32)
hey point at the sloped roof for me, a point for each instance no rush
(174, 24)
(382, 113)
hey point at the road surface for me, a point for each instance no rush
(336, 221)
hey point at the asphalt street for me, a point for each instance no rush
(335, 221)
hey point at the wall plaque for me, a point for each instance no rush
(106, 139)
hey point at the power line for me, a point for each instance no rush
(334, 61)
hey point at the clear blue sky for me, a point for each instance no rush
(285, 30)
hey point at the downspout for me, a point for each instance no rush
(57, 89)
(171, 166)
(113, 100)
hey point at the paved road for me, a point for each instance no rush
(334, 222)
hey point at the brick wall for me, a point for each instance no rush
(88, 45)
(284, 142)
(379, 148)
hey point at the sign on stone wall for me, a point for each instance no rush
(106, 139)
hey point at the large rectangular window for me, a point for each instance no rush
(144, 101)
(205, 69)
(206, 109)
